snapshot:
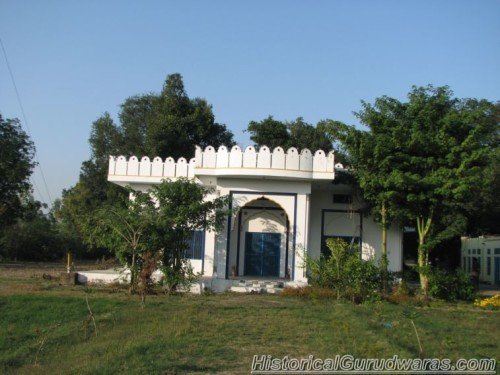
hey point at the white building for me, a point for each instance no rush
(483, 255)
(286, 204)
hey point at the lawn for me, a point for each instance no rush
(44, 328)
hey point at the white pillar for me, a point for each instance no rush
(301, 245)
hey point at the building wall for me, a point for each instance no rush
(348, 224)
(487, 252)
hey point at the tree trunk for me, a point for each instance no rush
(423, 227)
(132, 273)
(384, 260)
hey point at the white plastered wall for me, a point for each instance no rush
(348, 224)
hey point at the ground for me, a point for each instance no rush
(45, 328)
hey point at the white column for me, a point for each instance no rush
(208, 266)
(301, 227)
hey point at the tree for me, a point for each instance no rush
(165, 124)
(369, 160)
(123, 230)
(183, 206)
(432, 151)
(75, 212)
(16, 166)
(298, 133)
(177, 123)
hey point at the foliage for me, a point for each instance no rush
(182, 208)
(298, 133)
(489, 303)
(165, 124)
(16, 166)
(425, 160)
(124, 229)
(450, 286)
(345, 272)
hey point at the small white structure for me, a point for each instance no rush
(483, 255)
(285, 205)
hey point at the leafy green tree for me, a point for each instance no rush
(298, 133)
(16, 166)
(183, 206)
(33, 236)
(178, 123)
(425, 160)
(75, 212)
(124, 230)
(134, 116)
(165, 124)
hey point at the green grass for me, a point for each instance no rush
(217, 333)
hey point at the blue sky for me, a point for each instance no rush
(74, 60)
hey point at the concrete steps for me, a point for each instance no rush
(257, 286)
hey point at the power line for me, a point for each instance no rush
(27, 126)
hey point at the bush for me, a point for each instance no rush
(489, 303)
(450, 286)
(345, 272)
(34, 240)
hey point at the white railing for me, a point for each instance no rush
(235, 158)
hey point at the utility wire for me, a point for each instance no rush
(27, 126)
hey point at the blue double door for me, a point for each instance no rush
(262, 254)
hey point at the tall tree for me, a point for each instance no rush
(298, 133)
(426, 160)
(165, 124)
(183, 206)
(16, 166)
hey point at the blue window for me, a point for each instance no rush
(478, 251)
(489, 251)
(196, 245)
(469, 251)
(488, 266)
(497, 251)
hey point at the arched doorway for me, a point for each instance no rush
(262, 242)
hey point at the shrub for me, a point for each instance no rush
(450, 286)
(489, 303)
(345, 272)
(34, 240)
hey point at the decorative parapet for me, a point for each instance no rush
(223, 162)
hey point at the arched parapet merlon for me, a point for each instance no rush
(209, 157)
(222, 158)
(191, 167)
(169, 168)
(264, 157)
(121, 166)
(319, 161)
(111, 166)
(133, 166)
(181, 168)
(145, 166)
(339, 166)
(292, 159)
(250, 157)
(330, 163)
(306, 163)
(157, 167)
(198, 155)
(278, 158)
(235, 157)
